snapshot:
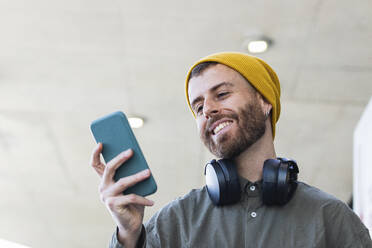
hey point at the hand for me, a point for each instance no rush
(126, 210)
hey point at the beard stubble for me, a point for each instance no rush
(251, 127)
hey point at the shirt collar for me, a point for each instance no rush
(251, 189)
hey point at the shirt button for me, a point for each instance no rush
(253, 214)
(252, 188)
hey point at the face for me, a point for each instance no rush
(229, 112)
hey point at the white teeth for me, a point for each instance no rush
(220, 126)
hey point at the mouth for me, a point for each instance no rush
(220, 126)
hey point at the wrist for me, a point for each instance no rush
(128, 239)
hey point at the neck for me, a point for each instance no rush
(250, 162)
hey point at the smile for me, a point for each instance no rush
(221, 126)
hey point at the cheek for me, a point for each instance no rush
(200, 124)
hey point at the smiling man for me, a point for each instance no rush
(231, 116)
(235, 99)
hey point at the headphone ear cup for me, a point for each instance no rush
(232, 191)
(279, 181)
(269, 181)
(283, 186)
(215, 181)
(222, 182)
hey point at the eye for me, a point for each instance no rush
(222, 94)
(199, 109)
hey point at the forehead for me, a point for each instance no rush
(213, 76)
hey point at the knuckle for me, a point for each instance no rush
(110, 203)
(101, 188)
(102, 197)
(137, 177)
(102, 194)
(123, 183)
(110, 166)
(132, 197)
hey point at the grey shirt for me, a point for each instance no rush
(311, 219)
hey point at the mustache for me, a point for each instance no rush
(218, 117)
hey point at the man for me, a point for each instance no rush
(235, 100)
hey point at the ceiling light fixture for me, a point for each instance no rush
(257, 43)
(136, 122)
(257, 46)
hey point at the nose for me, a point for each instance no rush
(210, 108)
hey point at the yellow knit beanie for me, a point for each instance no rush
(256, 71)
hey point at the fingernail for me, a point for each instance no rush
(127, 152)
(146, 172)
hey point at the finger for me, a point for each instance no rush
(127, 182)
(100, 168)
(124, 200)
(95, 160)
(95, 156)
(111, 166)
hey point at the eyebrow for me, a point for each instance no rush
(213, 89)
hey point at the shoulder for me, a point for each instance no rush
(194, 197)
(329, 212)
(311, 203)
(313, 196)
(327, 207)
(182, 205)
(178, 215)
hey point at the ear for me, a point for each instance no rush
(265, 105)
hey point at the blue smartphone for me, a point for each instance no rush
(116, 135)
